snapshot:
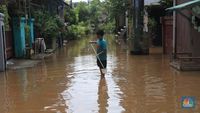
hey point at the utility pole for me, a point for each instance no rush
(71, 3)
(137, 36)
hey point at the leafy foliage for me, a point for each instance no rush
(95, 11)
(3, 9)
(116, 7)
(47, 25)
(70, 16)
(77, 31)
(109, 27)
(82, 12)
(166, 3)
(85, 18)
(51, 28)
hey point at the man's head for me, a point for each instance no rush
(100, 33)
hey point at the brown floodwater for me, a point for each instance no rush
(69, 82)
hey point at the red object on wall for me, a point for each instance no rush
(167, 34)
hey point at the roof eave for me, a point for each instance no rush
(186, 5)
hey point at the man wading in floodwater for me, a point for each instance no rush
(101, 52)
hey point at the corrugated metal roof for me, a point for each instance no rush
(185, 5)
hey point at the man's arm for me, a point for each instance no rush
(93, 42)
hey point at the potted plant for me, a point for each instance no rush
(51, 32)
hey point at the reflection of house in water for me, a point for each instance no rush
(186, 35)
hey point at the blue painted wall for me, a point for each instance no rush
(19, 37)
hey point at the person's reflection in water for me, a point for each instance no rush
(103, 96)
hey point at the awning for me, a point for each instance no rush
(185, 5)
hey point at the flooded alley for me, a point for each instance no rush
(69, 82)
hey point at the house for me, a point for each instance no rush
(186, 34)
(21, 12)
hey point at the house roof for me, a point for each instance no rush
(185, 5)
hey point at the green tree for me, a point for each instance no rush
(115, 10)
(166, 3)
(82, 12)
(70, 16)
(116, 7)
(99, 14)
(47, 25)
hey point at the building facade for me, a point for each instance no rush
(186, 36)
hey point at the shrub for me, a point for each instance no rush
(77, 31)
(51, 28)
(109, 27)
(48, 25)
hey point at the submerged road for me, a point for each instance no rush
(69, 82)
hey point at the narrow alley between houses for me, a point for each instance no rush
(69, 82)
